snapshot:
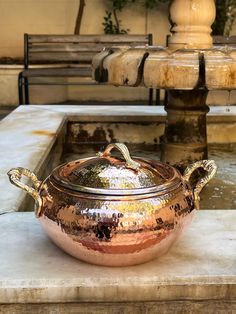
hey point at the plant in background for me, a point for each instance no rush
(110, 27)
(112, 24)
(225, 17)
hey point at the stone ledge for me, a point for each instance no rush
(216, 114)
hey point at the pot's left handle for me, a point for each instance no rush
(15, 175)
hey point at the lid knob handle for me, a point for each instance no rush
(130, 163)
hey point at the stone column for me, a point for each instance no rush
(185, 138)
(191, 23)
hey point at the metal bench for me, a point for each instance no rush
(53, 56)
(224, 40)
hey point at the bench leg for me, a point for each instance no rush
(150, 97)
(20, 89)
(158, 97)
(26, 88)
(166, 98)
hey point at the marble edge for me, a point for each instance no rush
(215, 114)
(28, 110)
(156, 288)
(118, 293)
(192, 280)
(23, 126)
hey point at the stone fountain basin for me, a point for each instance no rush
(41, 137)
(163, 68)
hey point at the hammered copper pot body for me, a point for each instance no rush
(132, 219)
(115, 231)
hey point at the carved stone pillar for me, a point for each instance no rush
(191, 20)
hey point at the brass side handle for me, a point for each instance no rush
(15, 176)
(209, 166)
(130, 163)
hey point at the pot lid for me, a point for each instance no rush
(111, 175)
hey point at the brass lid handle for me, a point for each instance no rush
(15, 175)
(130, 163)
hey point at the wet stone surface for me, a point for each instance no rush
(220, 193)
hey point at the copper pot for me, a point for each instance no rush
(115, 211)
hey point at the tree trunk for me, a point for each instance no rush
(79, 17)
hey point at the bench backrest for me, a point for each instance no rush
(74, 48)
(217, 40)
(224, 40)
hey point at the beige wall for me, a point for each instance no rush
(58, 17)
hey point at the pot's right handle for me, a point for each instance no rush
(209, 166)
(15, 175)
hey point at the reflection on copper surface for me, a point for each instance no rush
(116, 232)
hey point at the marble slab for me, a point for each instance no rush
(200, 266)
(26, 137)
(227, 112)
(29, 132)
